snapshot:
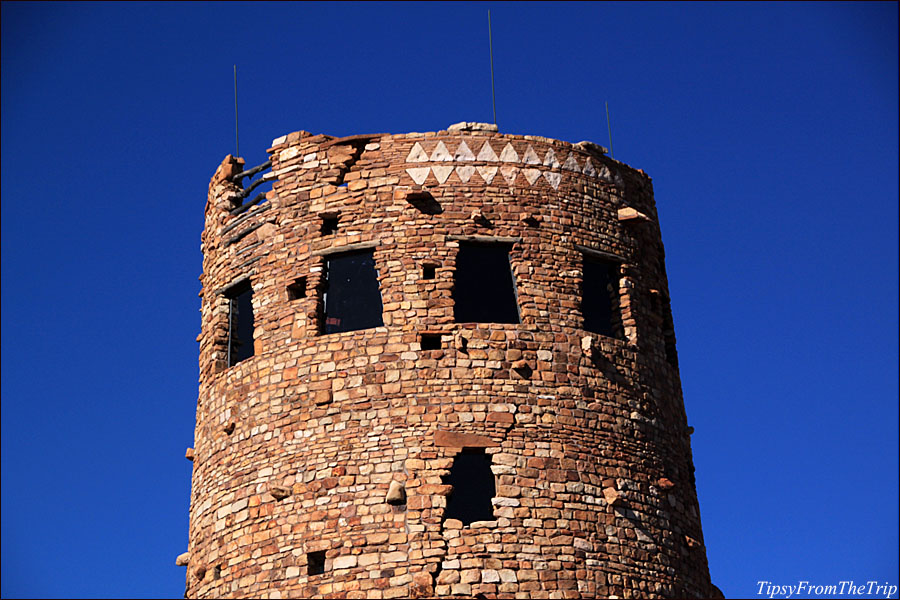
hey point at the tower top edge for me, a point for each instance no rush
(455, 128)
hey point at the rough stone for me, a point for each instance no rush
(279, 492)
(472, 126)
(613, 498)
(396, 493)
(462, 440)
(343, 562)
(490, 576)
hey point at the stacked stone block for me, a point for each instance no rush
(340, 444)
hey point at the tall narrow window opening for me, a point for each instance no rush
(671, 353)
(669, 334)
(352, 299)
(600, 297)
(240, 322)
(484, 291)
(473, 487)
(428, 271)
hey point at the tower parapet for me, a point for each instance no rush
(439, 364)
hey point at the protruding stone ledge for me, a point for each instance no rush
(665, 484)
(461, 342)
(396, 494)
(418, 197)
(530, 218)
(322, 397)
(612, 497)
(631, 215)
(692, 543)
(522, 367)
(591, 147)
(473, 126)
(351, 139)
(279, 492)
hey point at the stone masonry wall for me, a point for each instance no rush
(297, 447)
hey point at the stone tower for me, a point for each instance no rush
(439, 365)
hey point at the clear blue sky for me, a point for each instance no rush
(771, 133)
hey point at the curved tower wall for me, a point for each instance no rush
(330, 452)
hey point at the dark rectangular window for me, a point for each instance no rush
(483, 291)
(671, 353)
(315, 562)
(430, 341)
(240, 322)
(329, 224)
(297, 290)
(352, 299)
(600, 297)
(669, 334)
(473, 487)
(428, 271)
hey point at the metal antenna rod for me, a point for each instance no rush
(491, 44)
(237, 147)
(609, 130)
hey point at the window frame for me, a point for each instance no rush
(326, 257)
(508, 245)
(459, 508)
(232, 293)
(616, 318)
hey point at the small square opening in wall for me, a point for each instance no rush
(315, 562)
(428, 271)
(329, 224)
(297, 290)
(430, 341)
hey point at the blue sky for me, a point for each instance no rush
(771, 134)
